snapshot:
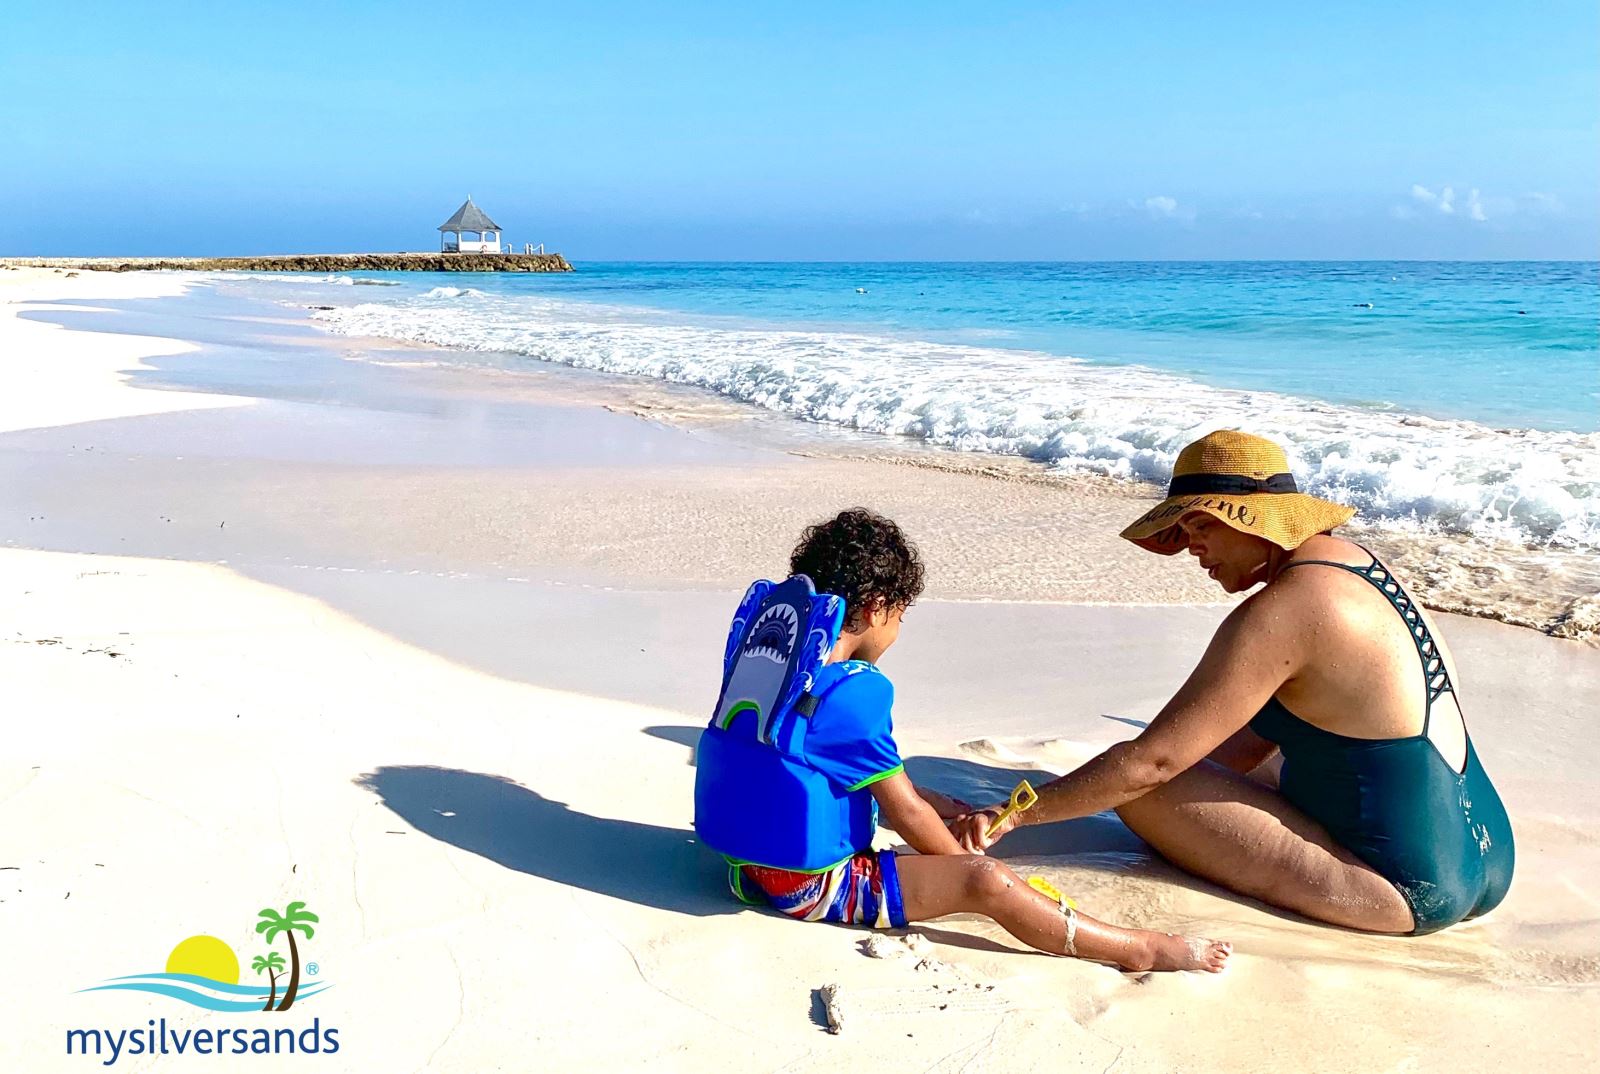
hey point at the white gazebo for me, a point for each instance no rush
(473, 221)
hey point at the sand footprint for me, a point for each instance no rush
(946, 990)
(1046, 755)
(998, 752)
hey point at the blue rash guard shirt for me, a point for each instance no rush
(851, 739)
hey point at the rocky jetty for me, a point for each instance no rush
(319, 263)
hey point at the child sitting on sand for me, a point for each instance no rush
(781, 797)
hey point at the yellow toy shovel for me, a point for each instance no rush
(1050, 891)
(1023, 798)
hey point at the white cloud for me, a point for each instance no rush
(1402, 212)
(1444, 201)
(1161, 205)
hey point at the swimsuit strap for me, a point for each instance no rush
(1436, 678)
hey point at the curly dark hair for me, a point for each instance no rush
(861, 556)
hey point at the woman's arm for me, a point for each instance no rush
(1243, 752)
(1255, 650)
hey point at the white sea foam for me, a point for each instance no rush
(1541, 488)
(452, 292)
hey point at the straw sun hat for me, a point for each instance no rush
(1242, 481)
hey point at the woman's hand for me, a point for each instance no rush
(972, 830)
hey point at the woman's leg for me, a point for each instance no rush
(1236, 832)
(933, 885)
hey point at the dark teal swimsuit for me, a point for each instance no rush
(1441, 837)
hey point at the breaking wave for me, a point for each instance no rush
(452, 292)
(1536, 487)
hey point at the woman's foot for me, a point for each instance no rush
(1169, 951)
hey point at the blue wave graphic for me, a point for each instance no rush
(203, 982)
(197, 991)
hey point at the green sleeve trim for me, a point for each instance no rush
(870, 780)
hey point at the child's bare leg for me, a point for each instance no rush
(935, 885)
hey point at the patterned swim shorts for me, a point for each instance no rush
(864, 890)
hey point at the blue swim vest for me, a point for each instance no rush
(756, 800)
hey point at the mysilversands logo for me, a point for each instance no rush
(203, 971)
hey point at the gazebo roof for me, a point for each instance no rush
(469, 218)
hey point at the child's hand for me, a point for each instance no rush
(972, 830)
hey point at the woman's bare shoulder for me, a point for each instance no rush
(1301, 604)
(1328, 598)
(1326, 548)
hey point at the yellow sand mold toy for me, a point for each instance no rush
(1050, 891)
(1023, 798)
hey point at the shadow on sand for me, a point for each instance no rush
(501, 820)
(983, 784)
(1101, 842)
(688, 737)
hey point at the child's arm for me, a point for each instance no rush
(917, 822)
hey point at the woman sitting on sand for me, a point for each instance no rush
(1381, 817)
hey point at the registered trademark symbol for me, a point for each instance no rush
(312, 968)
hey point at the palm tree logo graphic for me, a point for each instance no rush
(203, 970)
(295, 917)
(270, 964)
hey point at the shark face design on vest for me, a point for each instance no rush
(782, 633)
(763, 666)
(774, 635)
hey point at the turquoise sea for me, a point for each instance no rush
(1453, 395)
(1507, 343)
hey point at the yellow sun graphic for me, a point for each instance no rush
(205, 956)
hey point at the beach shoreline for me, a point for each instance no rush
(998, 540)
(432, 656)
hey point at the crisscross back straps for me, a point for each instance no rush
(1434, 673)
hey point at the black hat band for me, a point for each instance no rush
(1229, 484)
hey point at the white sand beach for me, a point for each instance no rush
(430, 654)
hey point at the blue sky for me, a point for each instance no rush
(811, 132)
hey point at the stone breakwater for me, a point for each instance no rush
(317, 263)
